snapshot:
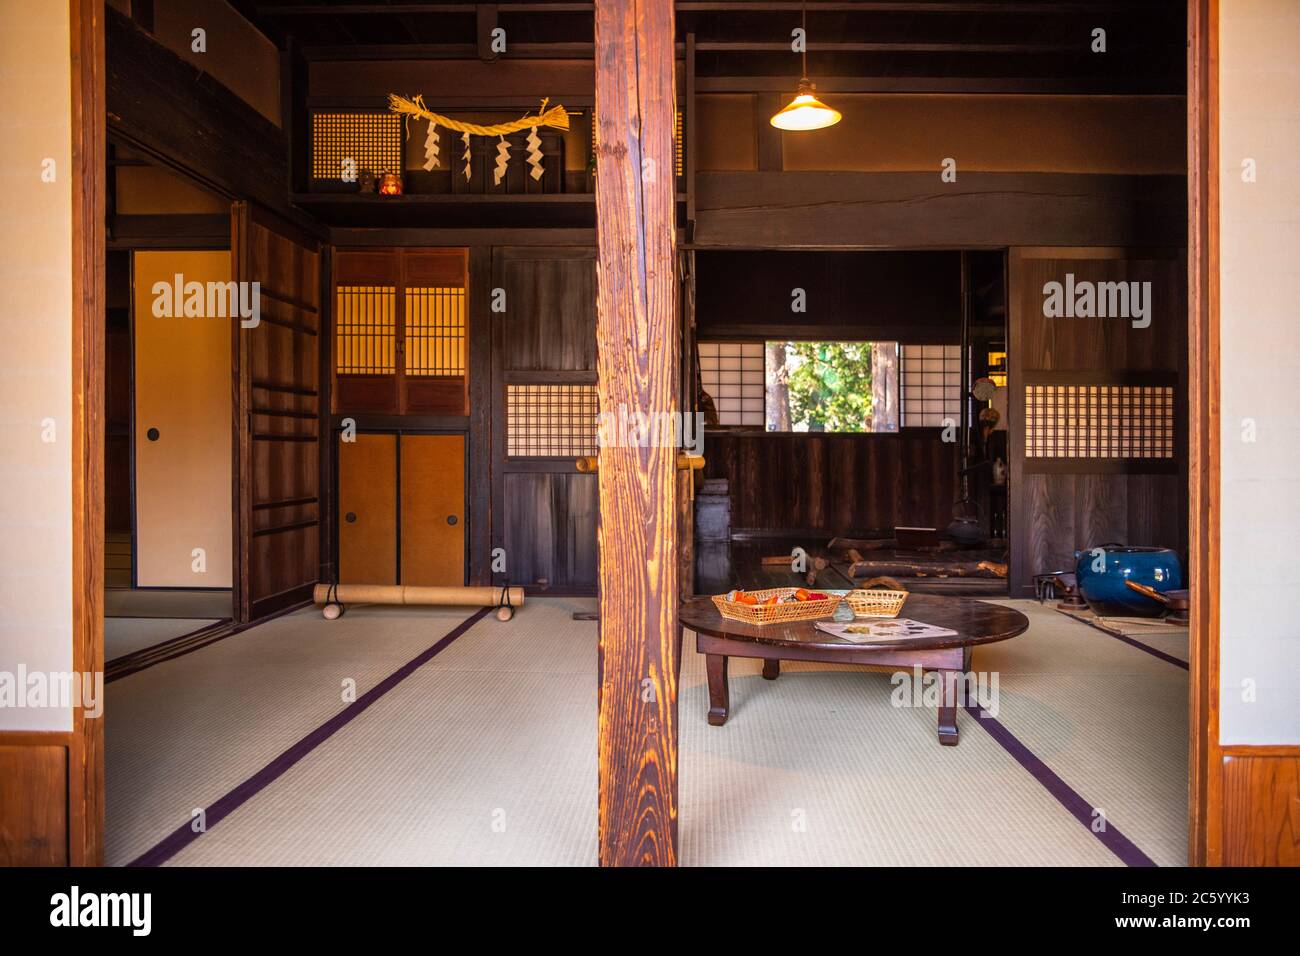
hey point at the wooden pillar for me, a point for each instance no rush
(637, 368)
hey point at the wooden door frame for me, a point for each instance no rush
(1204, 756)
(89, 263)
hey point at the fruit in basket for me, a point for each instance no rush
(818, 596)
(772, 601)
(744, 598)
(802, 594)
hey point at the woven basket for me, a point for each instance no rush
(868, 601)
(775, 613)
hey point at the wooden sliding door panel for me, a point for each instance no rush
(182, 428)
(1097, 404)
(550, 529)
(581, 555)
(433, 509)
(550, 308)
(277, 365)
(367, 510)
(544, 415)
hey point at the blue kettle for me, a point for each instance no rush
(1102, 571)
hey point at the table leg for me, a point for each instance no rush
(719, 698)
(948, 707)
(771, 669)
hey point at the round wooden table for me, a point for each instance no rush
(975, 622)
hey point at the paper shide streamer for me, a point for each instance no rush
(503, 160)
(556, 117)
(431, 147)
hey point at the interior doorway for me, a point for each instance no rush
(168, 510)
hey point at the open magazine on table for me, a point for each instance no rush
(894, 629)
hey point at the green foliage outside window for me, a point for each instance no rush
(827, 385)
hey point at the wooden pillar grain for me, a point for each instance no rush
(637, 367)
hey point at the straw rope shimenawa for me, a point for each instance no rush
(557, 117)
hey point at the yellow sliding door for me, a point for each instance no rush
(183, 502)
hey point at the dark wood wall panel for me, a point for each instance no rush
(981, 210)
(277, 412)
(912, 297)
(544, 512)
(1060, 506)
(550, 529)
(834, 484)
(1097, 344)
(208, 131)
(549, 322)
(1063, 509)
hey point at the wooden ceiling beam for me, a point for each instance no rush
(373, 9)
(956, 7)
(446, 51)
(890, 46)
(1097, 86)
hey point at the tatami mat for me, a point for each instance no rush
(126, 635)
(487, 754)
(1109, 718)
(182, 733)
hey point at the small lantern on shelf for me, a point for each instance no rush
(390, 184)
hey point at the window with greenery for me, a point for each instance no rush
(786, 386)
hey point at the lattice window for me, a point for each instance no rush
(435, 331)
(551, 420)
(372, 141)
(733, 374)
(1099, 421)
(366, 324)
(679, 145)
(930, 385)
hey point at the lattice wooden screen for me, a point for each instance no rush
(366, 324)
(930, 385)
(733, 375)
(1099, 421)
(372, 141)
(550, 420)
(435, 331)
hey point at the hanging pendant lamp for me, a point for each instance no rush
(805, 111)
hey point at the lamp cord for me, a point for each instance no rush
(804, 16)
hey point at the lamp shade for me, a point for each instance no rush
(805, 111)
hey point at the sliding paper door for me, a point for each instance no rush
(182, 425)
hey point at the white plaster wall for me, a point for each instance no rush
(35, 350)
(1259, 119)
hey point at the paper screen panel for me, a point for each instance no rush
(366, 329)
(550, 420)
